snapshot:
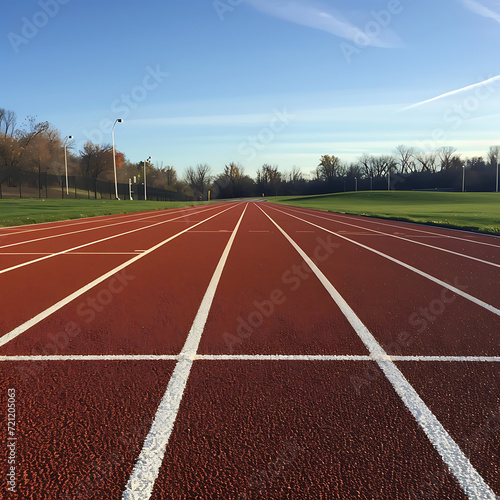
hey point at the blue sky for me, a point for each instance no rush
(256, 81)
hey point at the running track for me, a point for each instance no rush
(250, 351)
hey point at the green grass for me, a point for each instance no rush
(34, 211)
(471, 211)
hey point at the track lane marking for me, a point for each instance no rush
(452, 288)
(249, 357)
(28, 228)
(141, 482)
(469, 479)
(409, 224)
(81, 230)
(69, 253)
(381, 233)
(4, 339)
(95, 242)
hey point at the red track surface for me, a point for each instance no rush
(328, 426)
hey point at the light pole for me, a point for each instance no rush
(66, 161)
(496, 185)
(463, 178)
(118, 120)
(355, 183)
(145, 195)
(389, 179)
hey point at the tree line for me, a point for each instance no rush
(38, 148)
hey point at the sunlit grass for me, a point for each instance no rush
(471, 211)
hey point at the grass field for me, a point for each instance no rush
(471, 211)
(33, 211)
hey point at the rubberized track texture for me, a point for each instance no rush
(248, 351)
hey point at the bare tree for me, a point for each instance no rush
(316, 174)
(384, 164)
(427, 161)
(8, 121)
(199, 179)
(355, 170)
(493, 156)
(377, 166)
(367, 165)
(406, 159)
(446, 155)
(296, 175)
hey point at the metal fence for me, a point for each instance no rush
(43, 185)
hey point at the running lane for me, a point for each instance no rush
(408, 313)
(81, 422)
(268, 302)
(292, 429)
(25, 250)
(48, 230)
(476, 244)
(35, 287)
(283, 426)
(469, 387)
(258, 382)
(477, 265)
(79, 425)
(144, 308)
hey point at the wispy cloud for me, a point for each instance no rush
(204, 120)
(484, 83)
(306, 14)
(483, 10)
(340, 114)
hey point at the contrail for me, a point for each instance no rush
(453, 92)
(481, 10)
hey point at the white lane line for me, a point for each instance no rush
(250, 357)
(141, 482)
(381, 233)
(409, 224)
(28, 228)
(452, 288)
(95, 242)
(94, 357)
(105, 226)
(26, 253)
(100, 253)
(449, 359)
(58, 305)
(69, 253)
(437, 236)
(469, 479)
